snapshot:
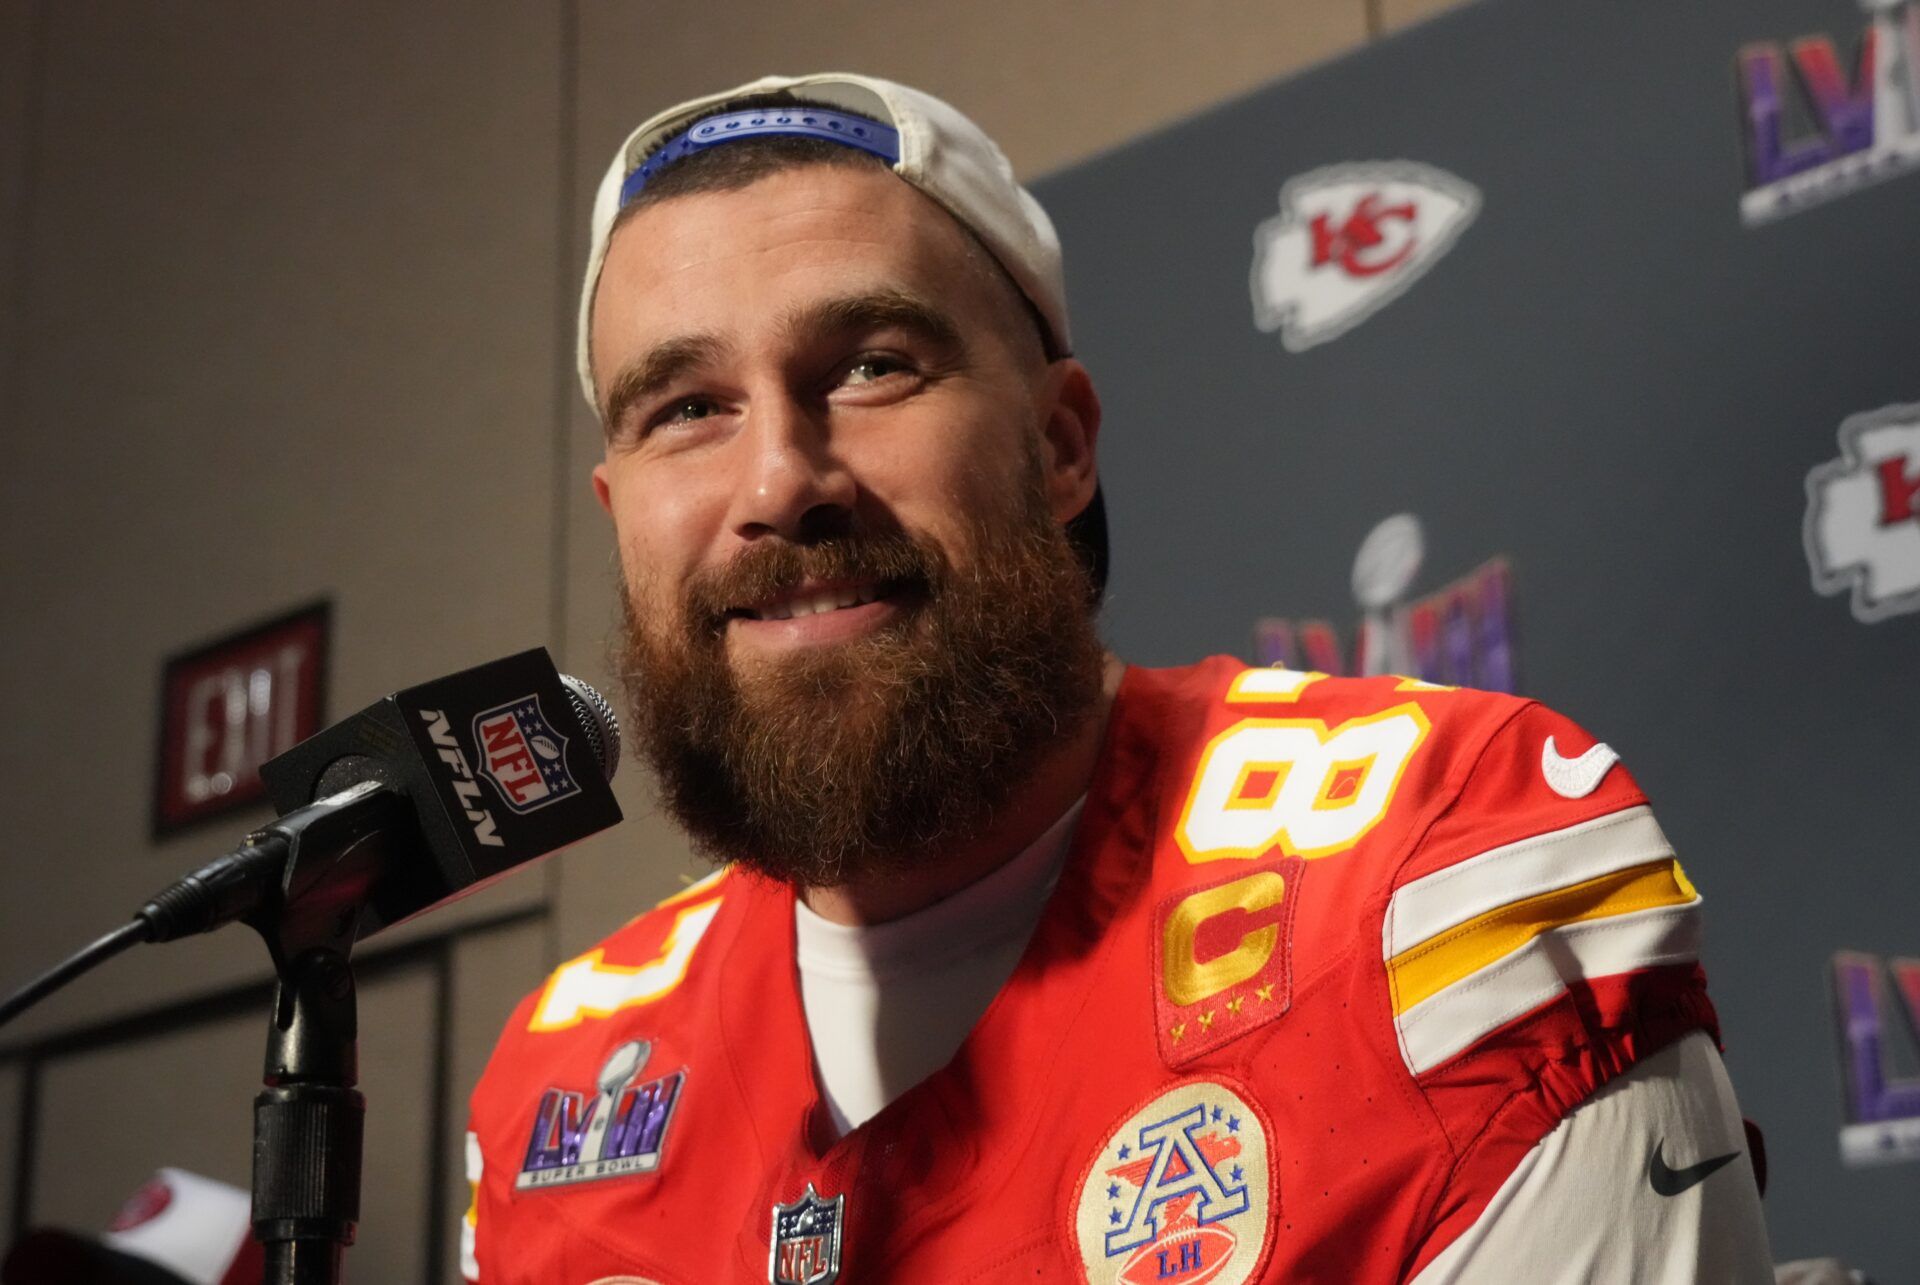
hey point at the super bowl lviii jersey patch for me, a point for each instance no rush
(618, 1127)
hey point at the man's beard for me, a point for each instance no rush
(869, 757)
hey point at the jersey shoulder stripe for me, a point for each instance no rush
(1430, 906)
(1472, 947)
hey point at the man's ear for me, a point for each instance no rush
(1067, 436)
(601, 492)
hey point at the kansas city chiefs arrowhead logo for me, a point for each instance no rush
(1350, 239)
(1862, 528)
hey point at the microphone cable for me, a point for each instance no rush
(125, 937)
(215, 894)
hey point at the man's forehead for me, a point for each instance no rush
(813, 213)
(843, 229)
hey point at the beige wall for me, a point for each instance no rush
(285, 312)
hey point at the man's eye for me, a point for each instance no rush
(688, 408)
(868, 369)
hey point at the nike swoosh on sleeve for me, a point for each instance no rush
(1671, 1182)
(1576, 778)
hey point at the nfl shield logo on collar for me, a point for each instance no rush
(806, 1240)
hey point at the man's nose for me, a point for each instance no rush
(793, 484)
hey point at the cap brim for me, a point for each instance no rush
(48, 1256)
(1087, 532)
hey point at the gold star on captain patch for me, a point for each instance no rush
(1177, 1032)
(1206, 1020)
(1233, 1005)
(1264, 993)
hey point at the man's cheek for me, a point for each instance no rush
(652, 607)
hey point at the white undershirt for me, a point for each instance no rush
(888, 1004)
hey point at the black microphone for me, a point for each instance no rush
(420, 798)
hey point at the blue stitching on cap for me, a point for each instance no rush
(728, 127)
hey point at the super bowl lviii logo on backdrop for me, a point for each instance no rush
(1350, 239)
(1812, 131)
(1862, 529)
(1883, 1109)
(1461, 635)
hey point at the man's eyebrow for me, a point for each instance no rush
(660, 366)
(872, 310)
(876, 310)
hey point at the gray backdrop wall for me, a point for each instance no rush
(1617, 385)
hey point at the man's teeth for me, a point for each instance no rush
(826, 600)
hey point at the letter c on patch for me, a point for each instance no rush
(1187, 978)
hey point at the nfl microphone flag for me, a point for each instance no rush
(502, 763)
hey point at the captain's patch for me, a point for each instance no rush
(1223, 958)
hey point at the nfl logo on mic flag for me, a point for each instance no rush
(524, 757)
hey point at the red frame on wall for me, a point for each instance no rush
(280, 668)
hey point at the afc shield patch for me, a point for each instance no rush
(1223, 958)
(806, 1240)
(522, 754)
(1181, 1193)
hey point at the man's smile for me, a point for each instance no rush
(816, 612)
(812, 598)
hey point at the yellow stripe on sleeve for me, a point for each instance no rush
(1437, 963)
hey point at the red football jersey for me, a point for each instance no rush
(1326, 959)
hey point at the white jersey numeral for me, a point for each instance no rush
(1297, 785)
(586, 987)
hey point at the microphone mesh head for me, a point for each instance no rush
(597, 717)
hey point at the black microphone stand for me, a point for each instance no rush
(308, 1121)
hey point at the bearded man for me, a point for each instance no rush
(1021, 963)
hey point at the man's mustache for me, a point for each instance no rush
(774, 568)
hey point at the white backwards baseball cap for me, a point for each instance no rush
(928, 143)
